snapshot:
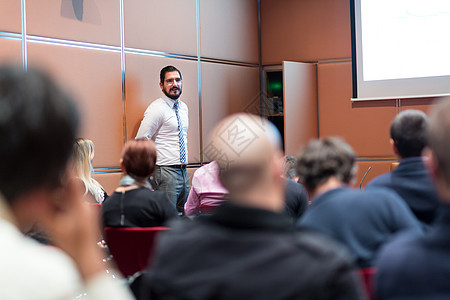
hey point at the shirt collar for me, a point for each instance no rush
(326, 195)
(240, 217)
(169, 101)
(412, 159)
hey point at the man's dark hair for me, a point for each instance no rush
(321, 159)
(162, 74)
(38, 123)
(409, 132)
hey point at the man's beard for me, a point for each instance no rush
(173, 97)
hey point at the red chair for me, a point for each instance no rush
(367, 277)
(132, 247)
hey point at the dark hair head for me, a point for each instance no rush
(38, 122)
(321, 159)
(139, 158)
(166, 69)
(409, 132)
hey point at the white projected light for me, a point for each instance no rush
(402, 48)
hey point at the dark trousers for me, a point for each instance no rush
(175, 182)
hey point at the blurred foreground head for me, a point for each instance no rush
(439, 143)
(38, 123)
(247, 149)
(323, 159)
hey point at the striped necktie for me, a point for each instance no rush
(180, 135)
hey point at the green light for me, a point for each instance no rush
(274, 86)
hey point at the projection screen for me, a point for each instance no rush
(401, 48)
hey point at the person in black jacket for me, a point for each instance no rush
(295, 195)
(410, 180)
(417, 267)
(248, 249)
(137, 205)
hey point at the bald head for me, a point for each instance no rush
(438, 137)
(244, 146)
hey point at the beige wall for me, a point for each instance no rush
(319, 32)
(109, 54)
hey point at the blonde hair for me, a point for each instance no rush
(83, 154)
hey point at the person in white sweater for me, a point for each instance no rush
(38, 123)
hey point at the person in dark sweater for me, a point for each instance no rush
(410, 180)
(137, 205)
(247, 249)
(295, 196)
(360, 220)
(417, 267)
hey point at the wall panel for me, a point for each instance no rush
(364, 125)
(424, 104)
(227, 89)
(109, 181)
(10, 51)
(93, 77)
(88, 21)
(167, 26)
(10, 16)
(377, 168)
(229, 30)
(142, 88)
(307, 30)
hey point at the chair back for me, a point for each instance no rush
(132, 247)
(367, 276)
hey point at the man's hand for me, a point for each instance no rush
(73, 226)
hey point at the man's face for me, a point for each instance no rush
(172, 85)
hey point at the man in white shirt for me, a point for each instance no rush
(38, 124)
(166, 123)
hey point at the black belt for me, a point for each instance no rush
(182, 167)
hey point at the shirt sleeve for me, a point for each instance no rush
(192, 203)
(150, 123)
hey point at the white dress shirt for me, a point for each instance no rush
(161, 125)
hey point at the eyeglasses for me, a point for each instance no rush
(172, 81)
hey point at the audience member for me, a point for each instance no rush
(416, 267)
(136, 205)
(289, 168)
(295, 196)
(83, 154)
(295, 199)
(410, 179)
(206, 191)
(361, 220)
(246, 249)
(38, 123)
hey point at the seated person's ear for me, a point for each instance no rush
(394, 147)
(430, 162)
